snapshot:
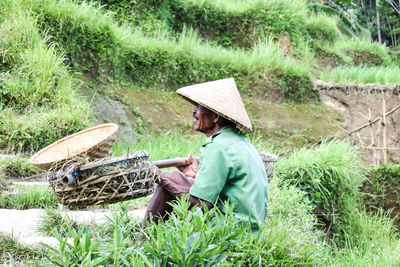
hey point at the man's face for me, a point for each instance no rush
(203, 119)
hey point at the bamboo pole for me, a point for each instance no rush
(384, 129)
(372, 137)
(375, 120)
(381, 148)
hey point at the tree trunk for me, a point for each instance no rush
(378, 25)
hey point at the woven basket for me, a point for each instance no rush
(93, 143)
(104, 181)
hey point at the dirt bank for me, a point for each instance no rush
(361, 103)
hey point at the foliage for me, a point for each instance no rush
(365, 53)
(154, 62)
(362, 75)
(389, 14)
(14, 166)
(371, 241)
(35, 129)
(330, 174)
(192, 237)
(13, 252)
(28, 197)
(82, 251)
(380, 191)
(341, 8)
(321, 29)
(52, 220)
(38, 102)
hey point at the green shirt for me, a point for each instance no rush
(231, 170)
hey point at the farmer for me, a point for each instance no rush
(230, 168)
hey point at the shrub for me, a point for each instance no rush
(28, 197)
(362, 75)
(365, 53)
(38, 99)
(330, 174)
(161, 63)
(321, 29)
(380, 191)
(14, 166)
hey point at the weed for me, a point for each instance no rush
(28, 197)
(12, 251)
(52, 220)
(17, 167)
(362, 75)
(330, 174)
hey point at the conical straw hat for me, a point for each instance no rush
(222, 97)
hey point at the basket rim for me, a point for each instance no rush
(33, 159)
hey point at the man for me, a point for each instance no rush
(230, 168)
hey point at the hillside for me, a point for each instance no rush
(66, 65)
(273, 49)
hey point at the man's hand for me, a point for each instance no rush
(191, 169)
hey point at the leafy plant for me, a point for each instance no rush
(82, 252)
(330, 175)
(380, 191)
(28, 197)
(12, 251)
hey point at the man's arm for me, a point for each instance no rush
(200, 203)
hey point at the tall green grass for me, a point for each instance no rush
(14, 253)
(16, 167)
(362, 75)
(176, 143)
(38, 98)
(365, 53)
(330, 175)
(155, 62)
(28, 197)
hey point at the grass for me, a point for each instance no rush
(121, 52)
(28, 197)
(175, 143)
(13, 252)
(365, 53)
(362, 75)
(330, 175)
(40, 103)
(52, 221)
(16, 166)
(290, 236)
(38, 100)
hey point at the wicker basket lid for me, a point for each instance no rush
(95, 142)
(222, 97)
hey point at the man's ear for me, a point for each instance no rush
(216, 117)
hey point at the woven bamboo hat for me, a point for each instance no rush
(221, 97)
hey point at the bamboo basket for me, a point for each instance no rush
(90, 144)
(104, 181)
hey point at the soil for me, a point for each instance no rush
(354, 103)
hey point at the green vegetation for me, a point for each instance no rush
(330, 175)
(28, 197)
(365, 53)
(14, 166)
(274, 49)
(161, 45)
(54, 221)
(363, 75)
(38, 102)
(12, 252)
(315, 217)
(380, 191)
